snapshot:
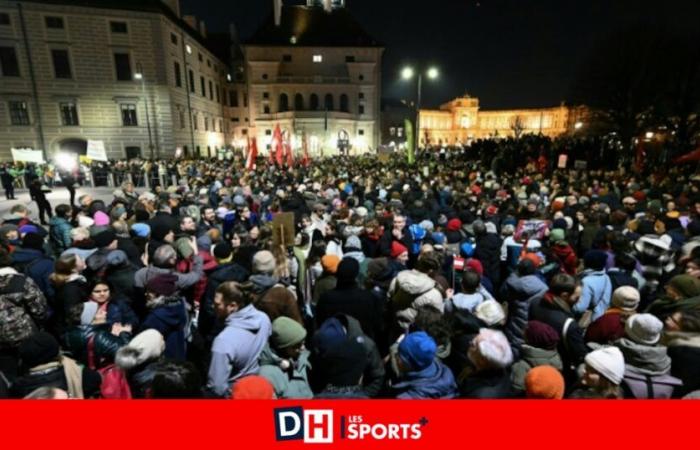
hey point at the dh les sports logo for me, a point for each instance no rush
(315, 426)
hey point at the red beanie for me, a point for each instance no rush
(252, 387)
(544, 382)
(397, 249)
(475, 265)
(454, 225)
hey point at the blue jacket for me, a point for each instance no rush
(596, 294)
(236, 349)
(59, 234)
(169, 317)
(435, 381)
(37, 266)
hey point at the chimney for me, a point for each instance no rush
(203, 29)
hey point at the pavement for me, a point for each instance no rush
(57, 196)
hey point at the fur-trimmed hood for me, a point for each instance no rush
(146, 346)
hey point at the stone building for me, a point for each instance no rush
(132, 73)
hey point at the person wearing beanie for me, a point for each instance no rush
(353, 249)
(272, 297)
(398, 233)
(327, 281)
(539, 349)
(252, 387)
(419, 374)
(563, 253)
(611, 325)
(41, 349)
(166, 313)
(106, 240)
(348, 298)
(681, 293)
(343, 364)
(544, 383)
(471, 296)
(142, 230)
(604, 371)
(161, 234)
(491, 358)
(647, 364)
(284, 362)
(488, 251)
(399, 256)
(491, 313)
(138, 359)
(31, 259)
(655, 255)
(596, 287)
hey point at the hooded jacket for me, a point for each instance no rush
(237, 348)
(647, 371)
(292, 383)
(59, 234)
(409, 290)
(36, 265)
(222, 274)
(434, 382)
(533, 357)
(184, 280)
(105, 343)
(520, 293)
(596, 292)
(566, 256)
(22, 308)
(684, 351)
(168, 316)
(274, 299)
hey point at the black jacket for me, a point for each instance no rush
(55, 377)
(222, 274)
(132, 251)
(520, 292)
(355, 302)
(572, 347)
(105, 343)
(488, 251)
(685, 364)
(487, 385)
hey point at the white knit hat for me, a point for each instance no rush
(609, 362)
(490, 312)
(626, 298)
(644, 329)
(85, 222)
(145, 346)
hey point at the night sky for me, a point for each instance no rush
(509, 53)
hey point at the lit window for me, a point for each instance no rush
(318, 58)
(188, 48)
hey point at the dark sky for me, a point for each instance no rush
(509, 53)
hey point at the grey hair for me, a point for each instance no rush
(164, 255)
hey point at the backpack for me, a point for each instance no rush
(114, 383)
(417, 236)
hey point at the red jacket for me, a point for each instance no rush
(567, 258)
(195, 293)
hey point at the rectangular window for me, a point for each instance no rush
(69, 114)
(361, 95)
(266, 95)
(206, 124)
(123, 66)
(194, 122)
(192, 82)
(208, 63)
(181, 116)
(19, 113)
(61, 63)
(54, 22)
(245, 99)
(218, 95)
(211, 90)
(361, 132)
(361, 109)
(221, 126)
(235, 119)
(118, 27)
(287, 58)
(350, 59)
(188, 49)
(266, 109)
(203, 86)
(178, 74)
(318, 58)
(244, 131)
(233, 99)
(173, 38)
(199, 55)
(9, 67)
(4, 19)
(268, 132)
(129, 115)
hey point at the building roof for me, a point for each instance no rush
(313, 27)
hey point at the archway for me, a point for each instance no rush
(72, 145)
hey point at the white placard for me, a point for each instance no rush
(28, 155)
(96, 151)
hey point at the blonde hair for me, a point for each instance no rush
(79, 234)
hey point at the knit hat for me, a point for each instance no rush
(454, 225)
(141, 230)
(5, 229)
(654, 207)
(163, 284)
(626, 298)
(417, 350)
(104, 238)
(263, 262)
(223, 252)
(330, 263)
(595, 259)
(252, 387)
(39, 348)
(116, 258)
(532, 258)
(609, 362)
(331, 332)
(361, 211)
(286, 333)
(557, 235)
(344, 363)
(378, 269)
(85, 222)
(644, 329)
(183, 247)
(427, 225)
(26, 229)
(541, 335)
(352, 243)
(101, 219)
(397, 249)
(544, 382)
(475, 265)
(438, 238)
(33, 241)
(145, 346)
(347, 271)
(490, 312)
(686, 285)
(159, 231)
(89, 312)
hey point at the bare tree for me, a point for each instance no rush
(517, 126)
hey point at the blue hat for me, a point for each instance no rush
(330, 333)
(417, 350)
(141, 229)
(438, 238)
(468, 249)
(417, 232)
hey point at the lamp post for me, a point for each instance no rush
(140, 77)
(408, 73)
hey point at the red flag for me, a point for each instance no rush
(288, 152)
(252, 154)
(305, 161)
(278, 145)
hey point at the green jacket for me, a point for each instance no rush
(533, 357)
(293, 383)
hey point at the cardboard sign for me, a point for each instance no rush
(27, 155)
(96, 151)
(535, 228)
(283, 229)
(563, 159)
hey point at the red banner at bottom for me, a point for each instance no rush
(348, 424)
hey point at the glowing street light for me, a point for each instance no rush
(649, 135)
(433, 73)
(578, 125)
(138, 76)
(407, 73)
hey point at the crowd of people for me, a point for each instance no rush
(454, 277)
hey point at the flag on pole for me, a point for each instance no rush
(278, 145)
(252, 154)
(410, 151)
(288, 151)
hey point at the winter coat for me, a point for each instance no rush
(533, 357)
(54, 375)
(566, 256)
(684, 351)
(220, 275)
(119, 311)
(72, 293)
(184, 280)
(557, 315)
(105, 344)
(606, 329)
(362, 261)
(59, 234)
(520, 293)
(388, 238)
(292, 383)
(168, 315)
(487, 385)
(409, 290)
(128, 246)
(352, 301)
(36, 265)
(23, 308)
(647, 371)
(342, 392)
(596, 292)
(274, 299)
(122, 280)
(488, 248)
(434, 382)
(325, 283)
(236, 350)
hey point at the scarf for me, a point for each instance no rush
(680, 339)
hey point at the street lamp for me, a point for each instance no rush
(578, 125)
(408, 73)
(139, 77)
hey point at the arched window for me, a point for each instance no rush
(344, 107)
(284, 103)
(328, 102)
(313, 104)
(298, 102)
